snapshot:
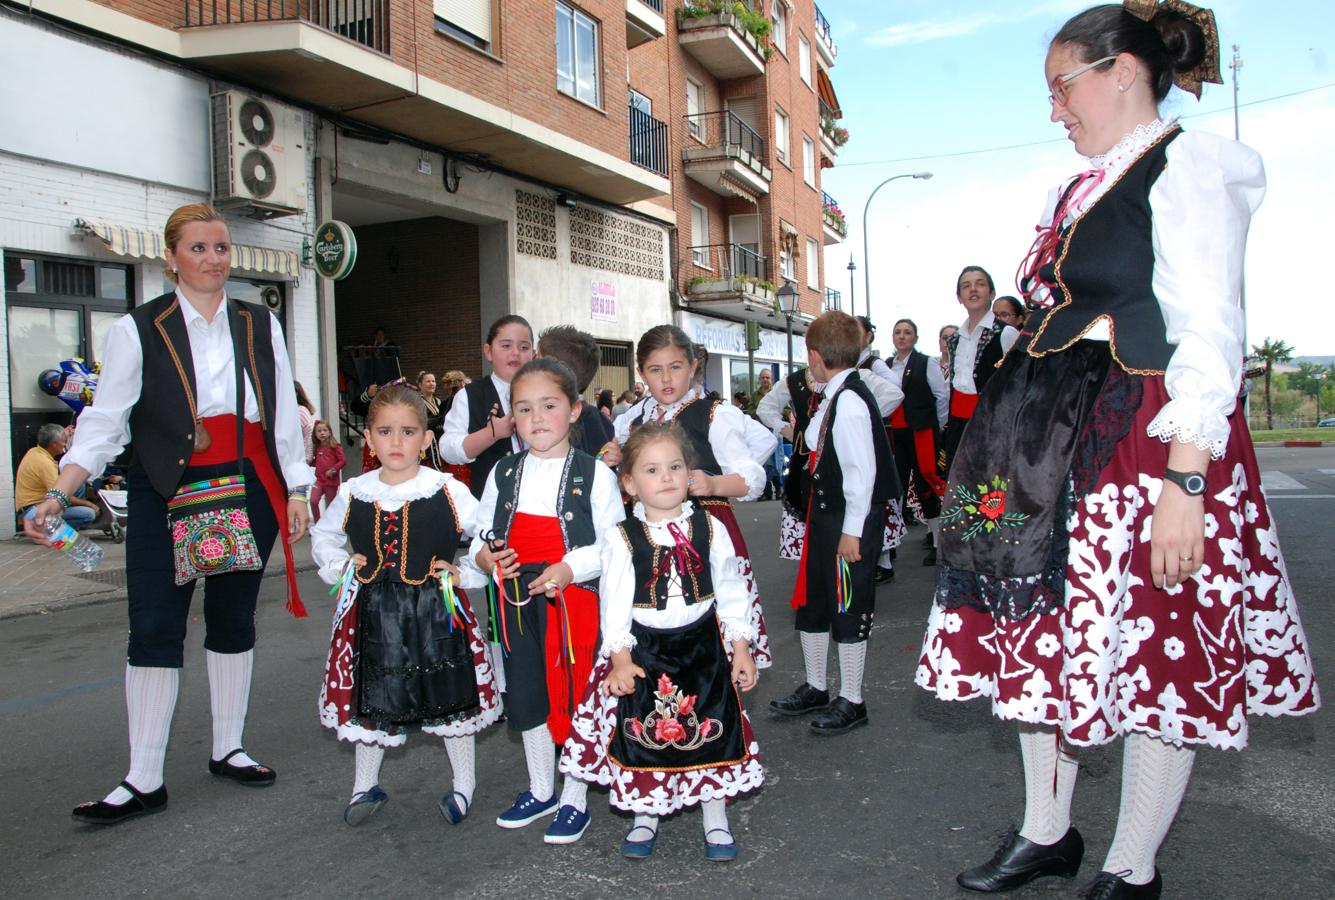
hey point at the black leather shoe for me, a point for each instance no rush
(1019, 861)
(884, 575)
(840, 716)
(1108, 886)
(250, 776)
(803, 700)
(930, 558)
(927, 541)
(100, 812)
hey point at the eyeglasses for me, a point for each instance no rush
(1059, 83)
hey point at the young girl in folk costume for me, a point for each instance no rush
(329, 462)
(661, 721)
(406, 651)
(716, 435)
(539, 528)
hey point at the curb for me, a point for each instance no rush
(1275, 444)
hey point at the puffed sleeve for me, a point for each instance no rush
(483, 515)
(288, 440)
(607, 510)
(455, 430)
(465, 505)
(731, 600)
(771, 406)
(621, 427)
(104, 428)
(885, 389)
(616, 593)
(1202, 205)
(759, 438)
(851, 434)
(329, 543)
(727, 438)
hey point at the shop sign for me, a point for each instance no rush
(603, 301)
(335, 250)
(729, 339)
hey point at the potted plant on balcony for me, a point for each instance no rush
(733, 14)
(834, 217)
(833, 133)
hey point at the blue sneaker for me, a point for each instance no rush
(527, 808)
(720, 852)
(567, 827)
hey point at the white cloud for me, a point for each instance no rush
(938, 29)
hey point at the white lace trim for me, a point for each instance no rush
(1167, 430)
(1116, 160)
(617, 644)
(686, 509)
(739, 632)
(370, 489)
(652, 406)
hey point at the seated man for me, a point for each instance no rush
(37, 474)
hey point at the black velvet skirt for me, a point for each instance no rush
(413, 668)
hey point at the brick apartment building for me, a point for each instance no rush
(482, 153)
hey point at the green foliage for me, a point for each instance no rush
(753, 22)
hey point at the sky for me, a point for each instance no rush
(924, 83)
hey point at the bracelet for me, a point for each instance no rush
(299, 494)
(61, 496)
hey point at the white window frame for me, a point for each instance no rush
(813, 264)
(808, 160)
(466, 20)
(576, 18)
(699, 248)
(786, 265)
(781, 136)
(779, 31)
(695, 106)
(804, 58)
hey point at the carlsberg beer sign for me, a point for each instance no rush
(335, 249)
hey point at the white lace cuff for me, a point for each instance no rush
(737, 631)
(1191, 423)
(331, 572)
(615, 644)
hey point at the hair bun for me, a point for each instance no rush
(1183, 38)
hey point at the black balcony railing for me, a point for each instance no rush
(724, 130)
(648, 141)
(827, 202)
(828, 112)
(655, 5)
(833, 299)
(731, 260)
(823, 30)
(363, 21)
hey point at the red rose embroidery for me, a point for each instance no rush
(665, 685)
(992, 504)
(686, 706)
(636, 728)
(669, 730)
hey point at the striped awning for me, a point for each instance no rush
(126, 240)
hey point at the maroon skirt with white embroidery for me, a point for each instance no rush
(722, 511)
(1187, 664)
(793, 531)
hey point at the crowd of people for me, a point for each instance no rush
(1108, 567)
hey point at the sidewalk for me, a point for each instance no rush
(36, 580)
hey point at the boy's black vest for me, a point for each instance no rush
(919, 402)
(827, 482)
(574, 505)
(1105, 268)
(163, 418)
(985, 359)
(654, 567)
(796, 483)
(482, 399)
(695, 419)
(435, 529)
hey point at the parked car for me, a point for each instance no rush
(1326, 423)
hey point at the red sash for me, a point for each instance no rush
(962, 405)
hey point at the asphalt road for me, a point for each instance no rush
(892, 810)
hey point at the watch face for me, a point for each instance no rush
(1194, 484)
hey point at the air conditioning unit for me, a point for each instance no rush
(259, 155)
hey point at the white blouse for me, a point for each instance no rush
(769, 411)
(104, 428)
(739, 450)
(936, 381)
(966, 351)
(1201, 208)
(616, 591)
(329, 542)
(852, 443)
(538, 492)
(455, 428)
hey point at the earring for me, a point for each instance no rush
(422, 455)
(372, 453)
(1122, 88)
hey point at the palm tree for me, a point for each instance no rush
(1271, 352)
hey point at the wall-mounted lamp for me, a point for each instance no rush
(566, 200)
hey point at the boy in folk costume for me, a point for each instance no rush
(852, 478)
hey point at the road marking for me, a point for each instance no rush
(1278, 481)
(1303, 497)
(1326, 471)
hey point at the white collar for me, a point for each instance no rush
(686, 509)
(987, 321)
(1130, 146)
(192, 314)
(502, 386)
(369, 488)
(652, 408)
(837, 381)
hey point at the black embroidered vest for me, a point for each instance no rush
(1105, 269)
(163, 417)
(695, 418)
(827, 482)
(795, 483)
(654, 567)
(407, 541)
(985, 360)
(482, 398)
(919, 402)
(574, 505)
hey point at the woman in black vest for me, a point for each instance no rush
(169, 376)
(1078, 590)
(915, 423)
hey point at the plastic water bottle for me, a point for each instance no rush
(81, 551)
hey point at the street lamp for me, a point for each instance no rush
(852, 301)
(866, 260)
(789, 298)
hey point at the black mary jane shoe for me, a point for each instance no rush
(1019, 861)
(250, 776)
(840, 716)
(100, 812)
(1110, 886)
(803, 700)
(884, 575)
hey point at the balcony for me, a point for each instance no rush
(731, 280)
(832, 135)
(364, 22)
(833, 223)
(833, 300)
(648, 141)
(644, 21)
(825, 49)
(726, 155)
(723, 43)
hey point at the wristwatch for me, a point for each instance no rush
(1192, 483)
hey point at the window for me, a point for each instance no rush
(779, 13)
(576, 54)
(467, 20)
(694, 106)
(808, 160)
(804, 58)
(781, 136)
(700, 235)
(786, 265)
(641, 102)
(813, 264)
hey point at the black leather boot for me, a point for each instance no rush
(1019, 861)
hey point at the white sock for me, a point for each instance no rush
(648, 823)
(575, 793)
(461, 751)
(815, 650)
(498, 665)
(1154, 778)
(852, 662)
(369, 758)
(885, 560)
(1049, 780)
(150, 699)
(229, 695)
(540, 754)
(716, 821)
